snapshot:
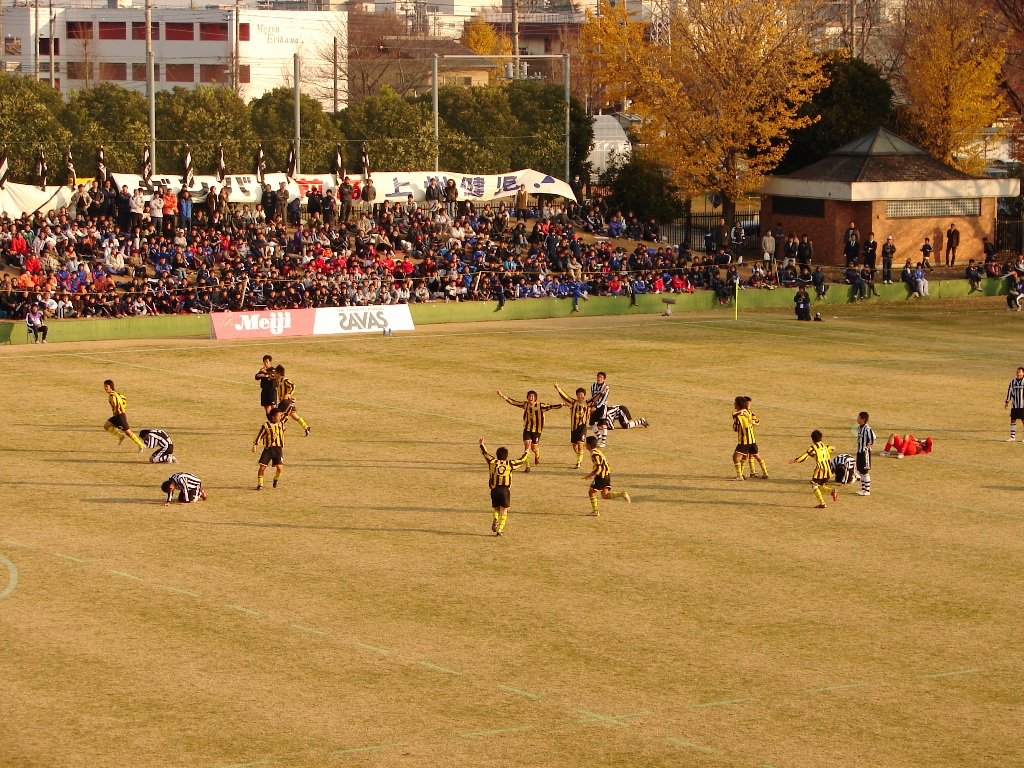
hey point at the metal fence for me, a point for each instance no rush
(700, 224)
(1010, 235)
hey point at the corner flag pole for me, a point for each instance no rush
(736, 301)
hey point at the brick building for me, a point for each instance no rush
(887, 186)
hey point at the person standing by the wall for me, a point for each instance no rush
(887, 253)
(952, 243)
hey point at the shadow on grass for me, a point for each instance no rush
(122, 500)
(349, 528)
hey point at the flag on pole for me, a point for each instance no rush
(147, 166)
(222, 167)
(4, 168)
(71, 174)
(291, 160)
(339, 162)
(261, 166)
(101, 164)
(366, 162)
(189, 179)
(41, 170)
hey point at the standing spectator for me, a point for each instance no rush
(34, 321)
(870, 253)
(345, 192)
(737, 238)
(952, 243)
(790, 250)
(211, 204)
(123, 201)
(851, 244)
(818, 281)
(451, 198)
(185, 210)
(281, 202)
(722, 235)
(434, 195)
(138, 208)
(522, 201)
(170, 212)
(577, 188)
(368, 194)
(768, 248)
(330, 207)
(268, 200)
(888, 250)
(926, 252)
(805, 251)
(156, 212)
(989, 249)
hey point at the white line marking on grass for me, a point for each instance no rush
(240, 609)
(690, 745)
(949, 674)
(373, 648)
(179, 590)
(722, 703)
(69, 557)
(356, 750)
(496, 732)
(519, 692)
(436, 668)
(124, 575)
(21, 544)
(247, 765)
(594, 717)
(12, 577)
(833, 688)
(310, 630)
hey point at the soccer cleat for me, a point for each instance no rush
(121, 438)
(307, 431)
(526, 468)
(536, 459)
(202, 494)
(498, 533)
(644, 423)
(593, 514)
(259, 487)
(821, 506)
(172, 460)
(835, 494)
(899, 455)
(141, 449)
(275, 482)
(1011, 439)
(494, 526)
(737, 479)
(628, 498)
(863, 493)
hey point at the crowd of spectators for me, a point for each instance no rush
(117, 253)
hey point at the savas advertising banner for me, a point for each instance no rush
(324, 321)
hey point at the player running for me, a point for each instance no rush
(579, 415)
(602, 479)
(286, 399)
(1015, 403)
(189, 488)
(117, 424)
(267, 377)
(533, 420)
(499, 478)
(822, 455)
(743, 423)
(157, 438)
(271, 435)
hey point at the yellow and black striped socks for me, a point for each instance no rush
(579, 459)
(739, 468)
(764, 467)
(616, 494)
(137, 440)
(259, 481)
(302, 422)
(817, 493)
(278, 472)
(501, 521)
(593, 504)
(113, 430)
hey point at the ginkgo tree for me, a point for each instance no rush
(719, 89)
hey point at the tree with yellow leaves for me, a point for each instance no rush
(951, 79)
(719, 89)
(481, 37)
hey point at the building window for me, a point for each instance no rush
(179, 30)
(180, 73)
(78, 70)
(12, 46)
(919, 209)
(113, 30)
(44, 46)
(113, 71)
(798, 206)
(214, 73)
(213, 32)
(243, 73)
(139, 30)
(243, 33)
(78, 30)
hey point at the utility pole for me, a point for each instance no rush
(52, 24)
(515, 39)
(150, 84)
(298, 138)
(35, 40)
(433, 96)
(568, 109)
(853, 30)
(236, 67)
(335, 74)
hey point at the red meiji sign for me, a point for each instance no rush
(247, 325)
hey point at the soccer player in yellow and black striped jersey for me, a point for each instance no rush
(579, 417)
(271, 435)
(602, 478)
(533, 420)
(117, 424)
(499, 475)
(822, 455)
(743, 423)
(286, 399)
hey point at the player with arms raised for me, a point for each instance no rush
(579, 415)
(499, 477)
(533, 420)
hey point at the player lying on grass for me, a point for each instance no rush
(906, 446)
(499, 477)
(533, 420)
(602, 478)
(189, 488)
(579, 416)
(157, 438)
(619, 414)
(822, 455)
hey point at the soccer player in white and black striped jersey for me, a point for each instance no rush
(189, 488)
(599, 401)
(1015, 402)
(157, 438)
(865, 439)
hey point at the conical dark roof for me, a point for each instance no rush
(880, 156)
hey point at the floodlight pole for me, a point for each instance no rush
(151, 85)
(568, 113)
(433, 94)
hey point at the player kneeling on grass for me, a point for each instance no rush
(602, 478)
(822, 455)
(157, 438)
(844, 467)
(499, 477)
(271, 435)
(188, 487)
(906, 446)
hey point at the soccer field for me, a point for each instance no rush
(362, 614)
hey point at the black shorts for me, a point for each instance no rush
(268, 398)
(747, 448)
(599, 414)
(578, 434)
(864, 462)
(285, 408)
(1016, 413)
(501, 497)
(533, 437)
(120, 421)
(821, 480)
(274, 455)
(600, 483)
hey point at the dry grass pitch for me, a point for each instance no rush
(363, 615)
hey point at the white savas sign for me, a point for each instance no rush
(375, 319)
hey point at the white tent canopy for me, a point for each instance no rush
(609, 139)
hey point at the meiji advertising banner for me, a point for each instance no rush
(325, 321)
